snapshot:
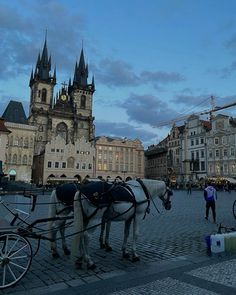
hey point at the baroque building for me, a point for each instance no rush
(65, 117)
(221, 152)
(115, 157)
(194, 149)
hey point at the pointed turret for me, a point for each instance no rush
(81, 72)
(43, 66)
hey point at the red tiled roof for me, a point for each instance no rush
(3, 128)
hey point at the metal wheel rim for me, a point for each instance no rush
(15, 259)
(234, 209)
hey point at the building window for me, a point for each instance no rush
(192, 142)
(83, 102)
(44, 95)
(202, 140)
(232, 152)
(90, 166)
(202, 154)
(216, 140)
(83, 166)
(49, 164)
(24, 160)
(52, 150)
(56, 164)
(71, 162)
(77, 166)
(225, 153)
(217, 153)
(197, 141)
(14, 159)
(63, 164)
(202, 165)
(210, 154)
(62, 130)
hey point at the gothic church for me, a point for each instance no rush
(64, 140)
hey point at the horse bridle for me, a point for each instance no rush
(167, 202)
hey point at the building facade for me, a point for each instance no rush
(121, 158)
(221, 151)
(156, 161)
(194, 149)
(4, 133)
(20, 147)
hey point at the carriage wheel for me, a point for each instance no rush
(15, 258)
(234, 209)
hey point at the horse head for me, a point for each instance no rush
(166, 198)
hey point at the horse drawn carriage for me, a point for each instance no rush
(17, 228)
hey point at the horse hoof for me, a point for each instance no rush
(125, 255)
(55, 255)
(135, 259)
(91, 266)
(67, 251)
(78, 264)
(108, 248)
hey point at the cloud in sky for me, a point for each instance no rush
(119, 73)
(148, 67)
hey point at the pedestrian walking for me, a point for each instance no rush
(189, 188)
(210, 196)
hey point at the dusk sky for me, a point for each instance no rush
(153, 60)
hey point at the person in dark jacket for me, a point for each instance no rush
(210, 196)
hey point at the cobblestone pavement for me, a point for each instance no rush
(164, 236)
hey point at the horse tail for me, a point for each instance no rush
(52, 211)
(78, 227)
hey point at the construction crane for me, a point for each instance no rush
(212, 110)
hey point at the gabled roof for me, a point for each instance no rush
(15, 113)
(3, 128)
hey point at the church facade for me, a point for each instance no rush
(64, 122)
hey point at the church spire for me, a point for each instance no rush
(81, 72)
(43, 66)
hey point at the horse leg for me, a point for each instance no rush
(63, 240)
(135, 256)
(107, 244)
(103, 226)
(90, 264)
(125, 254)
(53, 236)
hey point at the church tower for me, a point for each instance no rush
(41, 97)
(81, 93)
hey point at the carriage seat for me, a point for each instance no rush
(101, 194)
(66, 192)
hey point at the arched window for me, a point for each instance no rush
(26, 142)
(83, 102)
(31, 142)
(24, 160)
(16, 141)
(21, 141)
(11, 140)
(71, 162)
(14, 159)
(44, 95)
(62, 130)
